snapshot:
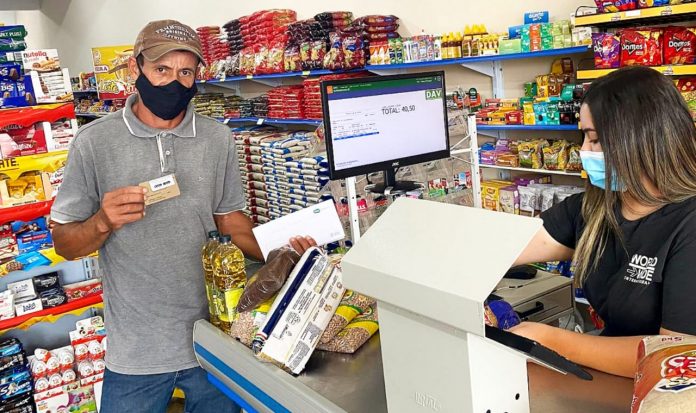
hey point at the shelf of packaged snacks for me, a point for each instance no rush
(303, 73)
(48, 254)
(413, 65)
(639, 16)
(25, 212)
(91, 115)
(669, 70)
(541, 171)
(271, 121)
(574, 127)
(478, 59)
(50, 315)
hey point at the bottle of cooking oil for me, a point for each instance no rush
(230, 280)
(207, 259)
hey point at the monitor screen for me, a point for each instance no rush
(376, 123)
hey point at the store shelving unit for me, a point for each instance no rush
(538, 171)
(51, 315)
(574, 127)
(91, 114)
(650, 15)
(668, 70)
(271, 121)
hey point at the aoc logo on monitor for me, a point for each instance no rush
(433, 94)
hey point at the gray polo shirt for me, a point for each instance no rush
(153, 278)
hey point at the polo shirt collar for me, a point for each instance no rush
(185, 129)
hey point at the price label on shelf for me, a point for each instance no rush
(306, 73)
(668, 70)
(260, 121)
(616, 17)
(666, 12)
(203, 81)
(227, 120)
(633, 13)
(250, 76)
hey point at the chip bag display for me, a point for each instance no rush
(607, 50)
(679, 45)
(641, 47)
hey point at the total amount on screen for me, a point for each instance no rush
(392, 109)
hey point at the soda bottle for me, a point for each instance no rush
(230, 280)
(207, 259)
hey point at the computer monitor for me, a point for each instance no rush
(381, 123)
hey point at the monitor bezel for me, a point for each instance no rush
(387, 164)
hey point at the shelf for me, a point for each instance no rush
(271, 121)
(415, 65)
(479, 59)
(25, 212)
(574, 127)
(91, 115)
(538, 171)
(78, 92)
(679, 12)
(667, 70)
(50, 315)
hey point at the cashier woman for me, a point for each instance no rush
(633, 233)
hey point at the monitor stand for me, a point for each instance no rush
(391, 186)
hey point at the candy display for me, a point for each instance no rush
(16, 383)
(36, 130)
(607, 50)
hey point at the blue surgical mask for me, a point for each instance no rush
(593, 163)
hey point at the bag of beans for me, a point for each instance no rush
(665, 379)
(352, 305)
(355, 334)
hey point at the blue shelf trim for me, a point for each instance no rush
(270, 121)
(528, 127)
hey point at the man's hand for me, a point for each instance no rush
(120, 207)
(302, 244)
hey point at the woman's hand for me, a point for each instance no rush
(534, 331)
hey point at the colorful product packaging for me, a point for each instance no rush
(679, 45)
(607, 50)
(641, 47)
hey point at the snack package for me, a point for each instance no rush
(574, 162)
(352, 305)
(355, 334)
(269, 279)
(687, 88)
(679, 45)
(613, 6)
(665, 379)
(530, 154)
(641, 47)
(607, 50)
(656, 3)
(556, 156)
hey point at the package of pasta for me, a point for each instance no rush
(355, 334)
(352, 305)
(269, 279)
(665, 380)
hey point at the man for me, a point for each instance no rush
(153, 285)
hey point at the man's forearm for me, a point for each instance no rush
(79, 239)
(239, 226)
(247, 243)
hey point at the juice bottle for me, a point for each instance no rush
(207, 259)
(458, 45)
(230, 280)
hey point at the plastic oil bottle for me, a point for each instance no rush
(230, 280)
(207, 259)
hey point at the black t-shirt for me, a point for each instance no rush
(651, 283)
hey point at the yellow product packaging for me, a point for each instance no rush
(490, 194)
(556, 156)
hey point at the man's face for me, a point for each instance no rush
(176, 65)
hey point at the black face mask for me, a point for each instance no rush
(167, 101)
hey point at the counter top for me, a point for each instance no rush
(354, 383)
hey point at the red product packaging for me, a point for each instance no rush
(641, 47)
(679, 45)
(82, 289)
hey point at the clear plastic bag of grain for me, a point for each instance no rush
(355, 334)
(665, 379)
(249, 322)
(352, 305)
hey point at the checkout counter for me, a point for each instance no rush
(334, 382)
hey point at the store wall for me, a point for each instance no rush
(74, 26)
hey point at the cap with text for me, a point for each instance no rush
(160, 37)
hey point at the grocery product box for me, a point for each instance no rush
(490, 194)
(28, 307)
(36, 130)
(69, 398)
(509, 200)
(25, 190)
(22, 290)
(533, 17)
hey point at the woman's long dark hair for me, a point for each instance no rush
(647, 134)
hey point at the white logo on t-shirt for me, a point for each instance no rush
(641, 269)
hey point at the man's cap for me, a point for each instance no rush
(160, 37)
